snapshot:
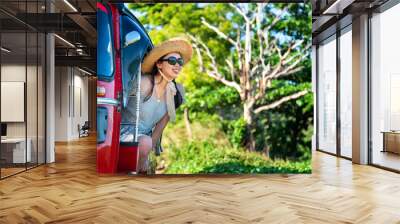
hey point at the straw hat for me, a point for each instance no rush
(179, 45)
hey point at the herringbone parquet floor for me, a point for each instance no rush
(70, 191)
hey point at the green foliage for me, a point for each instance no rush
(289, 135)
(284, 131)
(207, 157)
(211, 99)
(287, 130)
(237, 132)
(171, 20)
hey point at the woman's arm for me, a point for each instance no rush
(159, 129)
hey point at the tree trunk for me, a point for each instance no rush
(187, 124)
(248, 117)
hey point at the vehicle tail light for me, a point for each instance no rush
(101, 91)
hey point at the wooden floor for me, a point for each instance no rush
(10, 171)
(70, 191)
(387, 159)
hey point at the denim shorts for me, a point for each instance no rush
(126, 135)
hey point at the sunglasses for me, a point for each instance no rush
(173, 60)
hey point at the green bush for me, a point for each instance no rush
(207, 157)
(237, 132)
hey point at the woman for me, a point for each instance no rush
(160, 96)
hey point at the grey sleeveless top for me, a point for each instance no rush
(151, 111)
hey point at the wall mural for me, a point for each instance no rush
(204, 88)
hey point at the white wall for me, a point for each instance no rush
(12, 73)
(80, 89)
(34, 125)
(71, 94)
(61, 103)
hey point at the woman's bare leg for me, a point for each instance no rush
(145, 145)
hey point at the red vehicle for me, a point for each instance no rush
(122, 44)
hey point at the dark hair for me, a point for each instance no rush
(178, 96)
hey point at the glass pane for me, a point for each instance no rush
(327, 96)
(41, 99)
(22, 82)
(385, 89)
(13, 80)
(346, 94)
(31, 97)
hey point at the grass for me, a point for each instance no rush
(207, 157)
(211, 152)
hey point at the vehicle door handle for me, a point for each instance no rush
(107, 101)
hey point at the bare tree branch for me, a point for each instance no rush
(252, 75)
(290, 48)
(240, 11)
(255, 73)
(254, 70)
(277, 18)
(187, 123)
(213, 72)
(292, 67)
(258, 17)
(280, 101)
(200, 58)
(231, 68)
(207, 50)
(236, 43)
(304, 51)
(281, 68)
(217, 76)
(288, 71)
(239, 49)
(247, 61)
(219, 32)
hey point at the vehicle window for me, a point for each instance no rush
(132, 55)
(105, 60)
